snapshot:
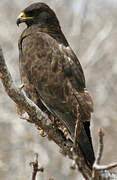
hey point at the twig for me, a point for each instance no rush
(106, 167)
(36, 168)
(76, 129)
(100, 147)
(73, 149)
(101, 170)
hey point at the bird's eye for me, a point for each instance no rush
(32, 13)
(29, 13)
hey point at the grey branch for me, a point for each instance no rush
(36, 168)
(100, 171)
(41, 120)
(100, 147)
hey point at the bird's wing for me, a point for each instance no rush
(58, 78)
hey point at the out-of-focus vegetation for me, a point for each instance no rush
(91, 29)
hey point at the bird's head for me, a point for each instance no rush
(38, 13)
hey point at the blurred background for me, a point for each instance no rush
(91, 29)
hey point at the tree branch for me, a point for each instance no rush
(40, 119)
(100, 148)
(100, 171)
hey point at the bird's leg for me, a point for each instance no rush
(41, 131)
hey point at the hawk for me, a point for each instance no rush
(52, 74)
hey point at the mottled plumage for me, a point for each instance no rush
(52, 74)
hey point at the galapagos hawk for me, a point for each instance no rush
(52, 74)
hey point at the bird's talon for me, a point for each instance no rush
(42, 133)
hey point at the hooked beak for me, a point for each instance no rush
(22, 18)
(18, 21)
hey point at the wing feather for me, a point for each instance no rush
(58, 80)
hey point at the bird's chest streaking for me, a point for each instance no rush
(49, 68)
(42, 73)
(40, 64)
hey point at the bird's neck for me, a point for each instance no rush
(56, 33)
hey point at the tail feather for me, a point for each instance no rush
(85, 143)
(84, 137)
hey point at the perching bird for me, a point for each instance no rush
(52, 75)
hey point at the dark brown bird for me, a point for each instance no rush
(52, 74)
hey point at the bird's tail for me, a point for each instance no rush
(83, 138)
(85, 143)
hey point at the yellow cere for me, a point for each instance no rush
(21, 15)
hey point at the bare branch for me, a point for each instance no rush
(40, 119)
(106, 167)
(100, 171)
(100, 147)
(36, 168)
(76, 129)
